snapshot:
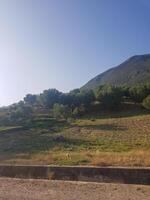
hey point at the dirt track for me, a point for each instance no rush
(16, 189)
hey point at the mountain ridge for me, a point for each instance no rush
(134, 70)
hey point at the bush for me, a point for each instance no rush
(146, 102)
(138, 93)
(20, 112)
(79, 111)
(109, 96)
(61, 111)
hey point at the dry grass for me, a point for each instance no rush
(132, 158)
(102, 139)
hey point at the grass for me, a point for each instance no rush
(95, 158)
(8, 128)
(98, 139)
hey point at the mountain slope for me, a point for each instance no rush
(134, 70)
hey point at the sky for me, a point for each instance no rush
(64, 43)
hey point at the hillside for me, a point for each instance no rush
(134, 70)
(119, 138)
(106, 127)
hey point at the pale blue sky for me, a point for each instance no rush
(64, 43)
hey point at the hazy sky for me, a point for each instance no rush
(64, 43)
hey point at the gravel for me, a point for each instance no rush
(23, 189)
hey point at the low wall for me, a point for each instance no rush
(92, 174)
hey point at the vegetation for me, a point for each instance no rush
(109, 96)
(146, 102)
(139, 92)
(105, 126)
(61, 111)
(74, 104)
(107, 138)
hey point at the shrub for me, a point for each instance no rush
(109, 96)
(61, 111)
(146, 102)
(79, 111)
(138, 93)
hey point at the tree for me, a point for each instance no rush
(86, 97)
(61, 111)
(125, 91)
(49, 97)
(20, 112)
(146, 102)
(109, 96)
(78, 111)
(30, 99)
(75, 91)
(81, 97)
(66, 99)
(139, 92)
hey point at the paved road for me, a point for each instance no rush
(21, 189)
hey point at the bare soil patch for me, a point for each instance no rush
(16, 189)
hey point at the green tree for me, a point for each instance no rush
(61, 111)
(81, 97)
(79, 111)
(146, 102)
(109, 96)
(138, 93)
(20, 112)
(49, 97)
(86, 97)
(30, 99)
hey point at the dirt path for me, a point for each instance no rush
(16, 189)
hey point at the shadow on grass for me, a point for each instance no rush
(126, 110)
(34, 143)
(104, 127)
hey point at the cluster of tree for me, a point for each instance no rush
(139, 92)
(65, 112)
(52, 96)
(109, 96)
(77, 102)
(73, 104)
(18, 113)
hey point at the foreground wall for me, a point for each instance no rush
(93, 174)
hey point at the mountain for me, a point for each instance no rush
(133, 71)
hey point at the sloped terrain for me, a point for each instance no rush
(101, 138)
(133, 71)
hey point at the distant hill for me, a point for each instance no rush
(134, 70)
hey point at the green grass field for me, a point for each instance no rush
(106, 138)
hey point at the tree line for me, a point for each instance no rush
(77, 102)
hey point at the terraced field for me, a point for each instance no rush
(98, 139)
(102, 139)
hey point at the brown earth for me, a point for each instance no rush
(16, 189)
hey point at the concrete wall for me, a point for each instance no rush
(22, 171)
(93, 174)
